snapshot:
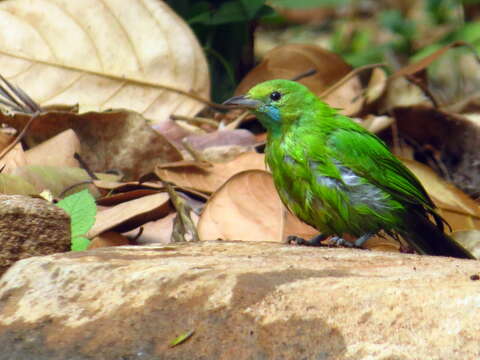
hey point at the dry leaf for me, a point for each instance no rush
(108, 238)
(14, 159)
(103, 54)
(120, 140)
(131, 214)
(470, 239)
(455, 137)
(115, 199)
(376, 85)
(127, 186)
(209, 179)
(56, 179)
(57, 151)
(16, 185)
(248, 208)
(6, 138)
(155, 232)
(461, 212)
(375, 124)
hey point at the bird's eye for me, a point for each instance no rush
(275, 96)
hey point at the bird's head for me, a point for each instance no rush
(276, 103)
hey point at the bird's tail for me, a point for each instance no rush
(429, 238)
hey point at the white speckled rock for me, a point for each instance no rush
(243, 300)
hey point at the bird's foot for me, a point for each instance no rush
(358, 243)
(315, 241)
(339, 241)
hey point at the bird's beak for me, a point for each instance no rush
(243, 101)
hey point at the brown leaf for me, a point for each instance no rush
(211, 178)
(470, 239)
(120, 140)
(248, 208)
(131, 214)
(108, 238)
(127, 186)
(376, 85)
(115, 199)
(375, 124)
(455, 206)
(104, 55)
(156, 232)
(57, 151)
(14, 159)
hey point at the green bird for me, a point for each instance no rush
(338, 177)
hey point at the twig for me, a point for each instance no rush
(196, 119)
(68, 188)
(426, 91)
(183, 223)
(84, 166)
(238, 120)
(347, 77)
(17, 139)
(304, 75)
(197, 156)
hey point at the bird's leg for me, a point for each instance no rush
(339, 241)
(362, 239)
(315, 241)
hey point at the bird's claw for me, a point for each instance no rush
(339, 241)
(297, 240)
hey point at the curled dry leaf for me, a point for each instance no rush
(108, 238)
(126, 186)
(288, 61)
(131, 214)
(116, 199)
(376, 85)
(57, 151)
(209, 179)
(248, 208)
(120, 140)
(375, 124)
(111, 54)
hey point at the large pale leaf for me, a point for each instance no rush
(102, 54)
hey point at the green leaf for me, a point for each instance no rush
(182, 338)
(230, 12)
(252, 7)
(80, 243)
(82, 210)
(305, 4)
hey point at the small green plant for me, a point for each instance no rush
(82, 210)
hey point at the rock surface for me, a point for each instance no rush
(243, 301)
(31, 227)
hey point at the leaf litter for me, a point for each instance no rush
(162, 171)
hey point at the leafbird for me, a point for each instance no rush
(338, 177)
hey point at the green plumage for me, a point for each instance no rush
(338, 177)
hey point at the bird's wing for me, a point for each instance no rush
(368, 157)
